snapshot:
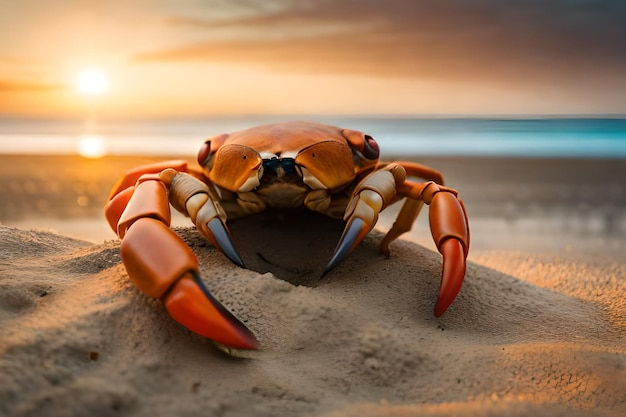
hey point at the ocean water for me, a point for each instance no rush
(539, 137)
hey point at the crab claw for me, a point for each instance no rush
(450, 230)
(453, 272)
(222, 239)
(361, 216)
(352, 235)
(191, 304)
(193, 198)
(162, 266)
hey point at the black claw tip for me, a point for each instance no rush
(345, 244)
(224, 241)
(242, 330)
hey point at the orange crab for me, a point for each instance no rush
(323, 168)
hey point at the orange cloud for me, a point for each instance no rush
(27, 86)
(512, 43)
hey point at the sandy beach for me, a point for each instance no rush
(539, 327)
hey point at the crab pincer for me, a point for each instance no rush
(192, 305)
(450, 231)
(447, 216)
(162, 266)
(348, 240)
(361, 217)
(369, 198)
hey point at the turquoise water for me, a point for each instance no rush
(565, 137)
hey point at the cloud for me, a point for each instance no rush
(556, 41)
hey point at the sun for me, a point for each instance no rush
(91, 146)
(92, 82)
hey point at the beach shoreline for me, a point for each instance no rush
(558, 205)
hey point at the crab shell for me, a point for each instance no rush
(325, 157)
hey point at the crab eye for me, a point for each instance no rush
(205, 153)
(370, 148)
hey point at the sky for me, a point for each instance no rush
(188, 58)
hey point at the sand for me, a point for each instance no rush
(539, 327)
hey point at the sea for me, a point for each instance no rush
(549, 137)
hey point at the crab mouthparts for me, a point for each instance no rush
(280, 167)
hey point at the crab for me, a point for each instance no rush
(326, 169)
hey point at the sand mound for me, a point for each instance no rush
(79, 339)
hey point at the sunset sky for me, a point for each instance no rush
(196, 58)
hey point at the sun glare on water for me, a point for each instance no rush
(92, 82)
(91, 146)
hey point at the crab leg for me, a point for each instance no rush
(162, 266)
(447, 217)
(130, 177)
(410, 208)
(404, 222)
